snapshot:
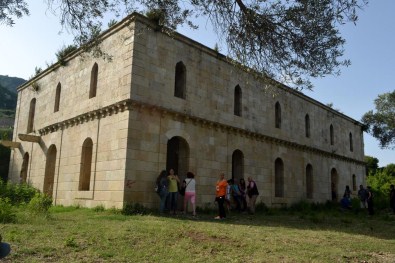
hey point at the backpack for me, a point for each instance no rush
(157, 188)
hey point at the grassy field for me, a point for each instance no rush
(73, 234)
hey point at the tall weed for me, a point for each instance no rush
(7, 214)
(134, 209)
(40, 204)
(17, 193)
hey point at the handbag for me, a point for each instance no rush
(183, 187)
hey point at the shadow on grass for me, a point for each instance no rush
(355, 222)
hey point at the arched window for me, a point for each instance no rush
(86, 163)
(49, 176)
(277, 109)
(354, 183)
(32, 110)
(237, 101)
(94, 76)
(332, 135)
(237, 165)
(57, 97)
(279, 178)
(180, 81)
(309, 181)
(307, 125)
(351, 143)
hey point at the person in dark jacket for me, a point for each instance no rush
(163, 190)
(363, 195)
(252, 192)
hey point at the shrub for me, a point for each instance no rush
(99, 208)
(156, 15)
(40, 204)
(301, 206)
(261, 207)
(317, 218)
(17, 193)
(70, 242)
(134, 209)
(380, 183)
(7, 214)
(207, 208)
(62, 53)
(111, 23)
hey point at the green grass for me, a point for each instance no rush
(74, 234)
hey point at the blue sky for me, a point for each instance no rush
(34, 40)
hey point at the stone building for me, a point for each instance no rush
(98, 132)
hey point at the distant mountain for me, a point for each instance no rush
(8, 97)
(10, 83)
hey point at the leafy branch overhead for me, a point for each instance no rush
(289, 41)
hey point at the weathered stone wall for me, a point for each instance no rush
(208, 108)
(135, 114)
(70, 126)
(210, 95)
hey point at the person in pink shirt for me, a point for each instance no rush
(190, 192)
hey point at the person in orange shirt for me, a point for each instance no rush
(220, 196)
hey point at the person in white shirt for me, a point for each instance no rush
(190, 192)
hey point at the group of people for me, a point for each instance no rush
(365, 196)
(228, 192)
(168, 187)
(240, 194)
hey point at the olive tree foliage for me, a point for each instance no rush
(372, 164)
(11, 9)
(286, 40)
(381, 124)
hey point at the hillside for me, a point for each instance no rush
(8, 99)
(10, 83)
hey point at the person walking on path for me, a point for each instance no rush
(220, 194)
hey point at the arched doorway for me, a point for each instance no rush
(178, 156)
(25, 167)
(334, 182)
(50, 171)
(178, 159)
(237, 165)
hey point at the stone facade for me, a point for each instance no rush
(169, 102)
